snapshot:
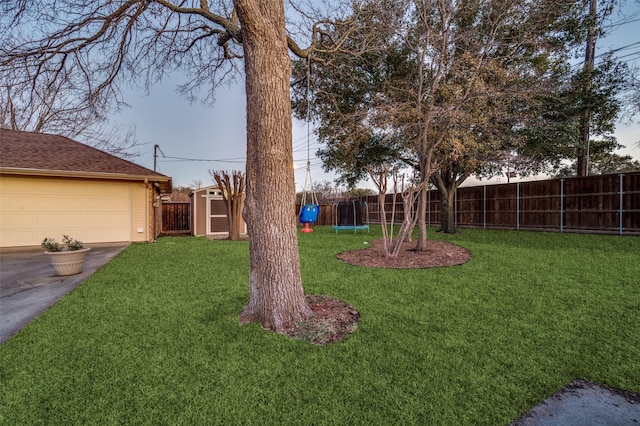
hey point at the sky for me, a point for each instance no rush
(201, 138)
(194, 138)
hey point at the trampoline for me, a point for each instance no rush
(350, 216)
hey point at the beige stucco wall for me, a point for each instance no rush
(90, 210)
(139, 198)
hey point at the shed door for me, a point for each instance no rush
(216, 213)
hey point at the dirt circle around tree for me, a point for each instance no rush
(334, 320)
(437, 254)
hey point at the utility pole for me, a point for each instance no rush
(156, 148)
(583, 156)
(156, 198)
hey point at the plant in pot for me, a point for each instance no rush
(66, 258)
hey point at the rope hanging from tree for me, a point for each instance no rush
(308, 211)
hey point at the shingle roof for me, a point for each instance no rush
(53, 153)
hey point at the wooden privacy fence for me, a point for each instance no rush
(595, 204)
(176, 217)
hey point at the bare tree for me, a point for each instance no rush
(55, 106)
(113, 42)
(179, 194)
(409, 191)
(232, 187)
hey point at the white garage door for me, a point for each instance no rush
(87, 210)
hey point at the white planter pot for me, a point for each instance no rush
(67, 262)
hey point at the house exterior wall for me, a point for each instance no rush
(90, 210)
(140, 222)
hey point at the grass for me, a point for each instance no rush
(153, 337)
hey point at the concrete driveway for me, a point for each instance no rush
(28, 285)
(582, 403)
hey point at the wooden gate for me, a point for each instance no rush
(176, 217)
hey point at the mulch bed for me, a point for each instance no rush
(437, 254)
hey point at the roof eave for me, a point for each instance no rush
(165, 181)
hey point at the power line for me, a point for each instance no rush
(619, 23)
(227, 160)
(314, 165)
(619, 49)
(314, 147)
(175, 159)
(629, 54)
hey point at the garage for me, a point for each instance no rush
(83, 192)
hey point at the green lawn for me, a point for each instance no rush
(153, 337)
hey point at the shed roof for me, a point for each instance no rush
(203, 189)
(53, 155)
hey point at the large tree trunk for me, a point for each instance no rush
(425, 174)
(448, 181)
(276, 297)
(445, 181)
(421, 243)
(447, 219)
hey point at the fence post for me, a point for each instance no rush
(561, 205)
(621, 202)
(428, 207)
(518, 206)
(484, 207)
(455, 209)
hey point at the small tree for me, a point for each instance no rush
(180, 194)
(232, 188)
(380, 177)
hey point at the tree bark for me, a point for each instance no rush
(425, 173)
(447, 219)
(446, 184)
(583, 155)
(448, 181)
(276, 296)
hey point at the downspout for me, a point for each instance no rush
(156, 205)
(146, 211)
(153, 205)
(149, 187)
